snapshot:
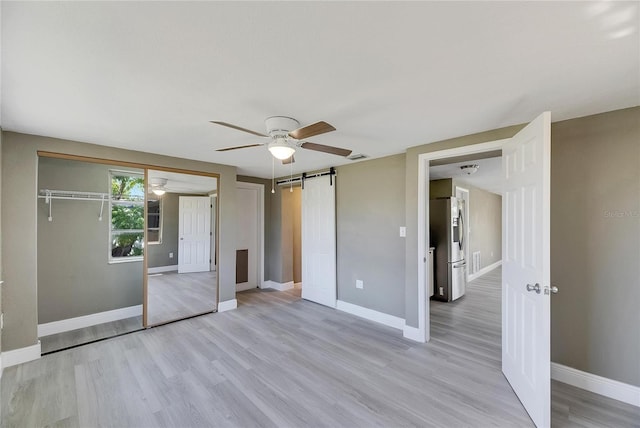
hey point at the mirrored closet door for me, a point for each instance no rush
(181, 236)
(90, 251)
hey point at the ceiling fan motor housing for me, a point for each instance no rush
(280, 125)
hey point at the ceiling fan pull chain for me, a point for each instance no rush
(291, 178)
(273, 174)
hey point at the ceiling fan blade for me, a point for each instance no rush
(326, 149)
(228, 125)
(238, 147)
(288, 160)
(311, 130)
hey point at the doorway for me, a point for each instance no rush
(525, 310)
(249, 236)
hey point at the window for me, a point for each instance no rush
(127, 216)
(154, 220)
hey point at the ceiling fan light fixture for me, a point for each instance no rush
(469, 169)
(280, 149)
(157, 185)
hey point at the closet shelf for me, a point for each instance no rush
(49, 195)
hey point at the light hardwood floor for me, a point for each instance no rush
(281, 361)
(173, 295)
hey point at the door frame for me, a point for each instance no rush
(423, 333)
(260, 190)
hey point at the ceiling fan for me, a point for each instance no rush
(285, 136)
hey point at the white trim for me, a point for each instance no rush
(370, 314)
(620, 391)
(413, 333)
(297, 285)
(280, 286)
(227, 305)
(161, 269)
(260, 189)
(88, 320)
(422, 332)
(21, 355)
(484, 270)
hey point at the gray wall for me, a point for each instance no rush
(290, 233)
(485, 222)
(158, 254)
(19, 223)
(595, 244)
(370, 210)
(74, 274)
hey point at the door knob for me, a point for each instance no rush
(535, 288)
(553, 290)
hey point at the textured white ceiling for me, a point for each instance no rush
(388, 75)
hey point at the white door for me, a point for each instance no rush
(319, 241)
(194, 234)
(247, 231)
(525, 261)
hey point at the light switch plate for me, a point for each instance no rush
(359, 283)
(403, 231)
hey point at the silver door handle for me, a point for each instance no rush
(553, 290)
(535, 288)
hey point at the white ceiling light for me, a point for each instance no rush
(469, 169)
(157, 186)
(281, 149)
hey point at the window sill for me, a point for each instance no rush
(125, 260)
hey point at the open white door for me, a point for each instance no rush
(319, 241)
(525, 267)
(194, 234)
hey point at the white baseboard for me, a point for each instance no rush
(280, 286)
(484, 270)
(227, 305)
(21, 355)
(620, 391)
(370, 314)
(161, 269)
(297, 285)
(88, 320)
(413, 333)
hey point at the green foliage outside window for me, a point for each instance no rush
(127, 216)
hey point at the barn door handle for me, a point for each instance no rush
(535, 288)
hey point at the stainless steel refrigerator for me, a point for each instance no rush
(447, 235)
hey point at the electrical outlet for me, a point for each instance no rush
(170, 255)
(359, 283)
(403, 231)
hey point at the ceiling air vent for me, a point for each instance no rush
(357, 156)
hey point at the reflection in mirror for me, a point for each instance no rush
(181, 246)
(90, 245)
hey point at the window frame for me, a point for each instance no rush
(112, 231)
(160, 200)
